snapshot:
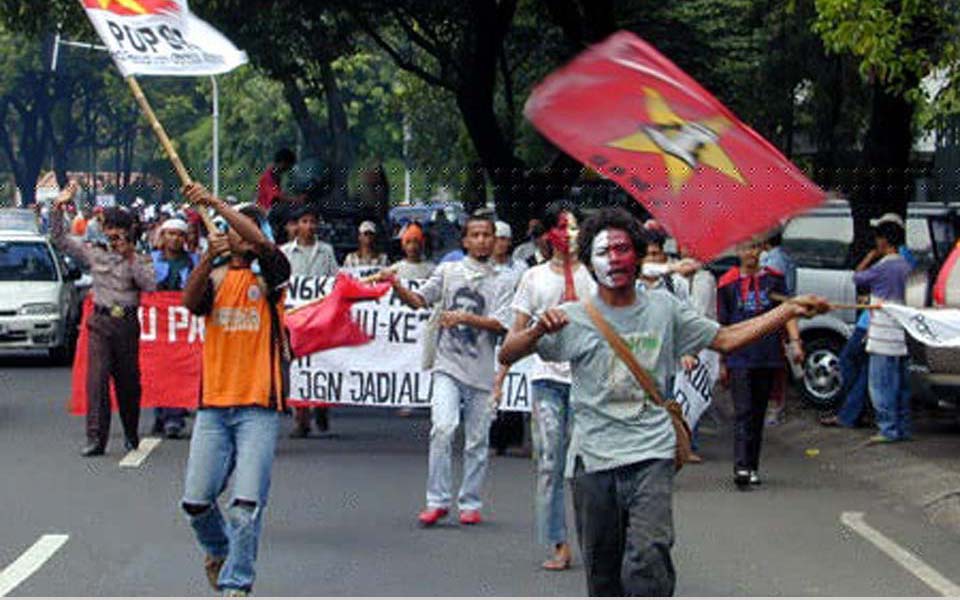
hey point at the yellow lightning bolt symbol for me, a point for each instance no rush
(665, 138)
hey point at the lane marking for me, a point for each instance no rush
(135, 458)
(906, 559)
(30, 561)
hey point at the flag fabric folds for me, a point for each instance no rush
(937, 327)
(161, 37)
(625, 111)
(327, 323)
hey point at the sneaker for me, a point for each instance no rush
(470, 517)
(212, 566)
(741, 477)
(879, 439)
(173, 433)
(234, 592)
(755, 478)
(430, 516)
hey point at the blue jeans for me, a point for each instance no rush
(551, 410)
(225, 441)
(890, 395)
(853, 367)
(447, 396)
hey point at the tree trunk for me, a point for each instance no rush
(309, 128)
(342, 159)
(884, 183)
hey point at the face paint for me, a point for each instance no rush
(613, 258)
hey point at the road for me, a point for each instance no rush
(341, 518)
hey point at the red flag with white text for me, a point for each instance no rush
(627, 112)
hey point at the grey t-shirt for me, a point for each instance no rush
(463, 352)
(614, 423)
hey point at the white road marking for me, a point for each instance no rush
(906, 559)
(135, 458)
(30, 561)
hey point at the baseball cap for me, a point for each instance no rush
(503, 229)
(888, 218)
(368, 227)
(175, 225)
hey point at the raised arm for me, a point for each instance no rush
(734, 337)
(245, 228)
(58, 234)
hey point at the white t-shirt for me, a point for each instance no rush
(541, 288)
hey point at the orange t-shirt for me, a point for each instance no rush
(241, 364)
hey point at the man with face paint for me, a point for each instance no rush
(541, 288)
(119, 275)
(475, 300)
(621, 456)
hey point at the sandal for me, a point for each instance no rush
(561, 559)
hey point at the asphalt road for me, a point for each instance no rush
(341, 519)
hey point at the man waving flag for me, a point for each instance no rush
(161, 37)
(627, 112)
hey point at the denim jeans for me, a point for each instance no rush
(551, 410)
(625, 528)
(890, 395)
(238, 441)
(853, 366)
(447, 396)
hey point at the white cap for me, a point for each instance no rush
(368, 227)
(887, 218)
(503, 229)
(175, 225)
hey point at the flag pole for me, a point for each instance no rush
(167, 145)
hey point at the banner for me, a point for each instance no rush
(937, 327)
(625, 111)
(385, 372)
(170, 354)
(694, 390)
(161, 37)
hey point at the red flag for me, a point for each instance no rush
(327, 324)
(170, 355)
(946, 290)
(624, 110)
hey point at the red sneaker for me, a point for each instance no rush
(429, 516)
(470, 517)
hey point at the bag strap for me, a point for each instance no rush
(621, 349)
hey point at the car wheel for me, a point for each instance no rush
(822, 379)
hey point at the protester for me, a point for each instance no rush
(531, 251)
(94, 233)
(657, 272)
(622, 451)
(508, 428)
(543, 287)
(413, 265)
(474, 302)
(269, 191)
(743, 293)
(309, 257)
(366, 254)
(444, 235)
(172, 265)
(776, 257)
(245, 355)
(884, 271)
(119, 275)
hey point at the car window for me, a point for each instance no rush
(18, 220)
(819, 241)
(26, 261)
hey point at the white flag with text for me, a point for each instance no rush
(938, 327)
(161, 37)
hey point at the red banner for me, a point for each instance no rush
(627, 112)
(171, 341)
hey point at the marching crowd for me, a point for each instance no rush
(611, 322)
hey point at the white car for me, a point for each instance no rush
(38, 300)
